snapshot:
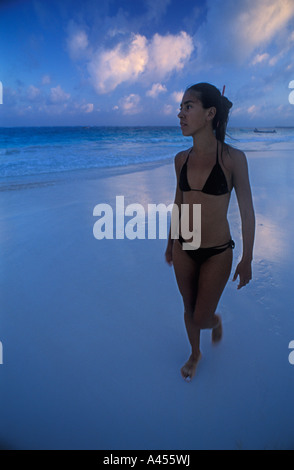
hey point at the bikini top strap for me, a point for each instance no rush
(186, 161)
(189, 154)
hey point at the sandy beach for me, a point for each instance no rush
(93, 333)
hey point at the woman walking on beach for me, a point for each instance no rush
(206, 175)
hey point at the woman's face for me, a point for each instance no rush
(192, 115)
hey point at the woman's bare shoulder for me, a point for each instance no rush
(181, 155)
(235, 154)
(236, 157)
(180, 159)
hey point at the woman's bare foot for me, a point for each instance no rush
(217, 331)
(189, 369)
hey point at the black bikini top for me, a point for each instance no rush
(216, 184)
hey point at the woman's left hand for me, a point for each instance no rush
(244, 271)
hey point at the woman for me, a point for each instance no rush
(206, 175)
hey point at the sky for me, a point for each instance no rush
(128, 62)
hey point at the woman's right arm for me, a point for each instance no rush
(177, 201)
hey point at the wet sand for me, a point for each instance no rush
(93, 333)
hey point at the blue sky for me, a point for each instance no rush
(114, 62)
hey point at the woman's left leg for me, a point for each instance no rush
(213, 277)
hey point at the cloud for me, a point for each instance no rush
(131, 104)
(46, 79)
(77, 41)
(259, 58)
(34, 93)
(177, 96)
(138, 58)
(168, 109)
(58, 95)
(109, 68)
(87, 108)
(156, 89)
(263, 20)
(252, 110)
(155, 9)
(244, 27)
(169, 53)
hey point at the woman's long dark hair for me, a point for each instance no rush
(210, 97)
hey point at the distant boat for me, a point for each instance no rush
(265, 132)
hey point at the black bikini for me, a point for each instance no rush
(216, 185)
(202, 254)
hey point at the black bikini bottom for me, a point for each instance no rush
(202, 254)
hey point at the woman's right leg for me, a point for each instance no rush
(187, 273)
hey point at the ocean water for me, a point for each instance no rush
(47, 150)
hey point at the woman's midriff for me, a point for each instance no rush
(215, 228)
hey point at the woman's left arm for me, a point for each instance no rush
(244, 197)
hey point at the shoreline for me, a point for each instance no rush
(74, 175)
(71, 176)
